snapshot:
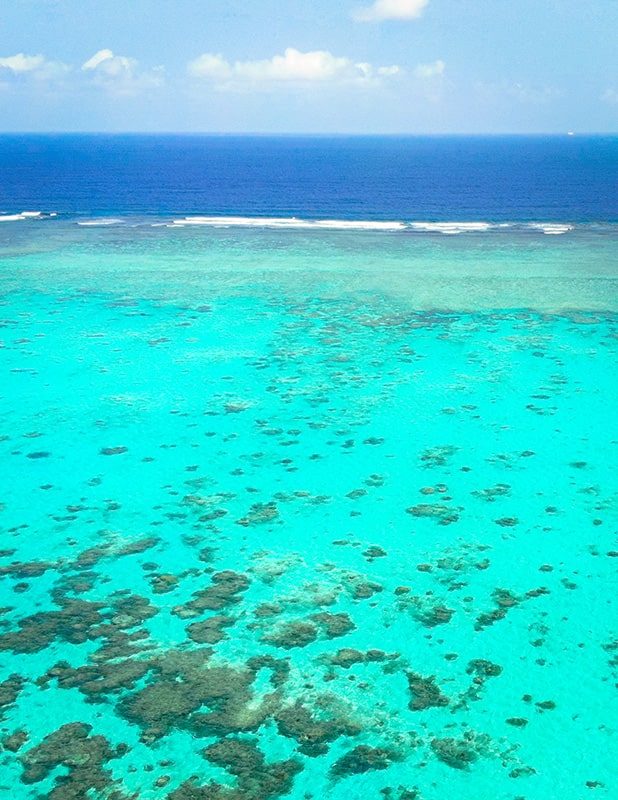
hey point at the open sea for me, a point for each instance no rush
(308, 455)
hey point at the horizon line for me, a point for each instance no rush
(305, 134)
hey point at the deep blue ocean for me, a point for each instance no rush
(308, 458)
(450, 178)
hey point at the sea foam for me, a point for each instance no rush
(551, 228)
(93, 223)
(452, 227)
(289, 222)
(22, 215)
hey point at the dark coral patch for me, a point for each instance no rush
(186, 683)
(138, 546)
(224, 591)
(164, 583)
(333, 625)
(373, 552)
(457, 753)
(29, 569)
(256, 778)
(363, 759)
(439, 512)
(483, 668)
(297, 722)
(296, 633)
(98, 680)
(280, 668)
(259, 514)
(75, 623)
(517, 722)
(346, 657)
(82, 755)
(363, 590)
(425, 693)
(488, 618)
(14, 741)
(9, 691)
(435, 615)
(210, 631)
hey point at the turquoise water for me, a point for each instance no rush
(307, 514)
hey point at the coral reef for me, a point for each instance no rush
(83, 755)
(223, 591)
(457, 753)
(363, 759)
(425, 693)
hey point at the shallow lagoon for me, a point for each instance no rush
(307, 514)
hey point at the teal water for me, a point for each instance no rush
(308, 514)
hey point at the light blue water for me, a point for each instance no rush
(382, 463)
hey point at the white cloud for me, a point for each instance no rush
(210, 67)
(520, 92)
(98, 58)
(532, 95)
(386, 72)
(22, 63)
(37, 67)
(433, 70)
(121, 74)
(318, 66)
(390, 9)
(610, 96)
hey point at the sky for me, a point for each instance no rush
(309, 66)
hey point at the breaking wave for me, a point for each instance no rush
(428, 227)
